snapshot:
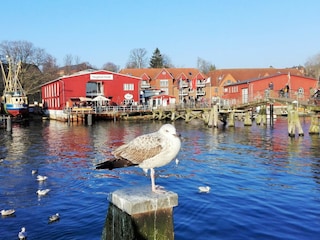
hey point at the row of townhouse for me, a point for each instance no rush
(185, 85)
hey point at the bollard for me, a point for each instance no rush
(294, 123)
(9, 124)
(271, 115)
(68, 118)
(138, 213)
(173, 115)
(210, 118)
(314, 127)
(231, 119)
(89, 119)
(247, 119)
(258, 119)
(215, 115)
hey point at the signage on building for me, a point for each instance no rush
(101, 77)
(128, 96)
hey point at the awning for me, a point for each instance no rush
(100, 98)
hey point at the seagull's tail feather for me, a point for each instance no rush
(115, 163)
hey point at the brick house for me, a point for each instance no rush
(182, 83)
(278, 85)
(222, 77)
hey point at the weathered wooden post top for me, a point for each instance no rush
(139, 213)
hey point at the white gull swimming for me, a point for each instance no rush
(41, 178)
(7, 212)
(204, 189)
(147, 151)
(22, 235)
(54, 218)
(43, 192)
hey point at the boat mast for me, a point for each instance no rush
(12, 84)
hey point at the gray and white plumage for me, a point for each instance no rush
(54, 218)
(22, 235)
(204, 189)
(43, 192)
(147, 151)
(41, 178)
(7, 212)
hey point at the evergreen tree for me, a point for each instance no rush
(156, 60)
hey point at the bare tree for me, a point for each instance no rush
(137, 58)
(205, 66)
(312, 66)
(167, 61)
(68, 60)
(109, 66)
(33, 62)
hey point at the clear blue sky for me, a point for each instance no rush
(226, 33)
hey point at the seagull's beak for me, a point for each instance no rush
(177, 135)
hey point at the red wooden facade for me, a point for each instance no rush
(119, 88)
(274, 86)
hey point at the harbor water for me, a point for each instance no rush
(263, 184)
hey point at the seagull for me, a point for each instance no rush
(54, 218)
(7, 212)
(22, 234)
(205, 189)
(35, 171)
(147, 151)
(43, 192)
(41, 178)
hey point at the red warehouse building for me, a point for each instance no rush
(118, 88)
(278, 85)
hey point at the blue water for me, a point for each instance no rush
(264, 185)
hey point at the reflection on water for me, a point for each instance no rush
(264, 185)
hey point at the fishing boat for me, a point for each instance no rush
(13, 101)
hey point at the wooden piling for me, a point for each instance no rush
(247, 119)
(261, 118)
(231, 119)
(294, 123)
(215, 115)
(138, 213)
(89, 119)
(315, 125)
(258, 119)
(9, 124)
(173, 115)
(271, 115)
(211, 118)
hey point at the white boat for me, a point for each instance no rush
(14, 100)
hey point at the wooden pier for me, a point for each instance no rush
(210, 115)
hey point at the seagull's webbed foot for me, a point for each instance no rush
(158, 189)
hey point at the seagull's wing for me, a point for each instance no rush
(140, 148)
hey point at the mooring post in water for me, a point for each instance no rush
(231, 119)
(89, 119)
(9, 124)
(315, 125)
(271, 115)
(294, 122)
(247, 119)
(215, 115)
(210, 117)
(138, 213)
(261, 118)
